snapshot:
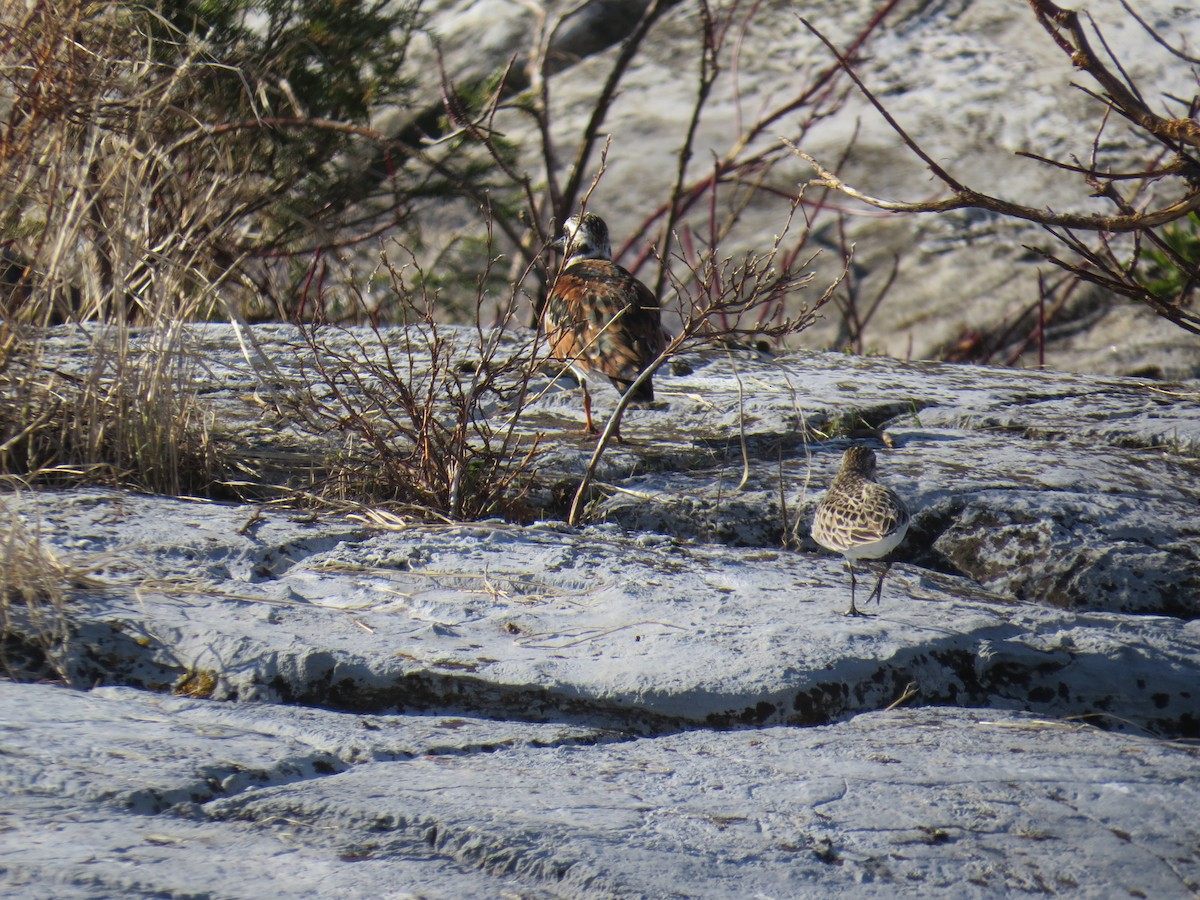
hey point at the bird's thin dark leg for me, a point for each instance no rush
(853, 610)
(878, 592)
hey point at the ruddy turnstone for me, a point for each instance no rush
(599, 318)
(859, 518)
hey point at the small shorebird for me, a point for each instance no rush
(600, 318)
(859, 518)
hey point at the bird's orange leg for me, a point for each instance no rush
(590, 427)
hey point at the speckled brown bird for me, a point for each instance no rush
(859, 518)
(599, 318)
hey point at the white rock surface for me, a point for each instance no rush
(900, 803)
(543, 622)
(106, 792)
(488, 709)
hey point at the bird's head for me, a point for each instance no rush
(584, 237)
(859, 459)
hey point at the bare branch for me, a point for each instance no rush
(1075, 44)
(874, 101)
(602, 103)
(1157, 38)
(710, 54)
(1174, 168)
(969, 199)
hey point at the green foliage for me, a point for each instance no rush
(280, 60)
(1173, 274)
(336, 58)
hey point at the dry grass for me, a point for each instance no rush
(115, 208)
(130, 417)
(35, 591)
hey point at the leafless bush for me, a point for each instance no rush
(430, 423)
(132, 197)
(708, 297)
(529, 189)
(413, 455)
(705, 202)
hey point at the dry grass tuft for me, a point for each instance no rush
(130, 417)
(35, 590)
(116, 208)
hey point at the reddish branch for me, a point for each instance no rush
(1180, 137)
(1122, 98)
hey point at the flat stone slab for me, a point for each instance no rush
(1046, 487)
(203, 750)
(955, 802)
(714, 398)
(105, 791)
(258, 800)
(546, 622)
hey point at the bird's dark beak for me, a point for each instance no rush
(559, 243)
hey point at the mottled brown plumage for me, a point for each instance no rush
(859, 518)
(599, 318)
